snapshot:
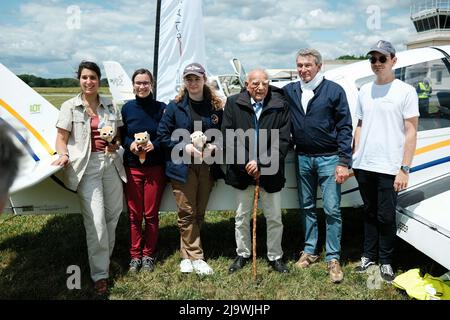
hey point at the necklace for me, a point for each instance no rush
(91, 113)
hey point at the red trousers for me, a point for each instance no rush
(143, 192)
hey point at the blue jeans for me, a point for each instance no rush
(311, 172)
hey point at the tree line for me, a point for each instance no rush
(352, 57)
(34, 81)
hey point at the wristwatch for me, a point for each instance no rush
(405, 169)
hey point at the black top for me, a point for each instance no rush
(139, 115)
(198, 110)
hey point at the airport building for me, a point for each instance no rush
(431, 20)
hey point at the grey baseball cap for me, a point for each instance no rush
(194, 68)
(383, 47)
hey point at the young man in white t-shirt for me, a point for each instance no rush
(384, 145)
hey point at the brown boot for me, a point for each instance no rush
(305, 260)
(335, 271)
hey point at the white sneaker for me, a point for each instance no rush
(201, 267)
(186, 266)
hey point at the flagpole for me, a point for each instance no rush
(156, 49)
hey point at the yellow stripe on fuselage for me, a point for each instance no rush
(432, 147)
(33, 131)
(425, 149)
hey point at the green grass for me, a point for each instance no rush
(70, 90)
(57, 101)
(56, 96)
(35, 252)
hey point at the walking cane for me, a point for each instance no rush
(255, 208)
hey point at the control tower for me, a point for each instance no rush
(431, 19)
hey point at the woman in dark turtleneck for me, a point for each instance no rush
(146, 181)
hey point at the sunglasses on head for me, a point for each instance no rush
(374, 60)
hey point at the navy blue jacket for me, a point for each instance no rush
(326, 128)
(178, 116)
(138, 116)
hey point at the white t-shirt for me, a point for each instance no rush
(383, 109)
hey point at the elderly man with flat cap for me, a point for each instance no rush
(384, 145)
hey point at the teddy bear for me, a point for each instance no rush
(142, 139)
(198, 139)
(107, 133)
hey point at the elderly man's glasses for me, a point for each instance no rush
(374, 60)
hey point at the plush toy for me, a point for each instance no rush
(198, 139)
(107, 133)
(142, 139)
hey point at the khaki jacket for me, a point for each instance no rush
(74, 118)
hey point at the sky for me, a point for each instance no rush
(48, 38)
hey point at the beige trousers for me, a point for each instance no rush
(192, 198)
(271, 205)
(101, 198)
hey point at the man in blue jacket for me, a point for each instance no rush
(321, 128)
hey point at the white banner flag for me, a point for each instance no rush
(181, 41)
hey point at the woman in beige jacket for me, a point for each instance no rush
(92, 168)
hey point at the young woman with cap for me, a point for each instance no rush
(195, 108)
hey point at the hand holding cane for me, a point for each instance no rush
(255, 209)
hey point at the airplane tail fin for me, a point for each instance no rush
(119, 82)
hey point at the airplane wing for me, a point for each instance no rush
(31, 120)
(422, 218)
(119, 82)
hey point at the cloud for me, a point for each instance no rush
(361, 42)
(35, 38)
(383, 5)
(319, 19)
(102, 33)
(401, 20)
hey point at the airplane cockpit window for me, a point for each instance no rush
(432, 82)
